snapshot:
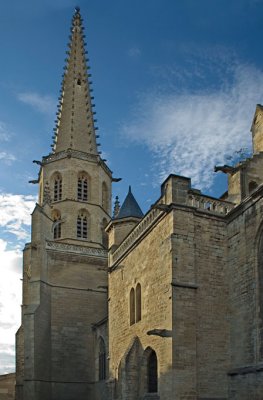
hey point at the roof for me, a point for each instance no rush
(130, 207)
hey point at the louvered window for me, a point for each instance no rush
(57, 188)
(82, 227)
(83, 188)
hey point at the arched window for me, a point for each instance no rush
(56, 216)
(104, 235)
(252, 186)
(152, 373)
(82, 225)
(102, 360)
(105, 197)
(83, 187)
(138, 306)
(132, 307)
(57, 187)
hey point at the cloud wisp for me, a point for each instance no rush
(42, 103)
(15, 213)
(189, 132)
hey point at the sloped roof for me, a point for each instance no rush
(130, 207)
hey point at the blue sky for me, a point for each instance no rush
(175, 84)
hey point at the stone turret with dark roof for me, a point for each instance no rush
(130, 207)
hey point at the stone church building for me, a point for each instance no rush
(166, 305)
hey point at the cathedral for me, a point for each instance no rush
(162, 306)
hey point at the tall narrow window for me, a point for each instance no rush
(83, 187)
(82, 226)
(104, 235)
(102, 360)
(56, 224)
(57, 187)
(152, 373)
(138, 306)
(105, 197)
(132, 307)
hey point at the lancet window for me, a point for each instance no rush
(104, 235)
(56, 216)
(132, 306)
(57, 187)
(83, 187)
(82, 225)
(105, 197)
(102, 360)
(152, 374)
(138, 307)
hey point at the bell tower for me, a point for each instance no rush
(65, 264)
(74, 181)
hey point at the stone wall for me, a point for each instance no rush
(7, 386)
(245, 261)
(149, 264)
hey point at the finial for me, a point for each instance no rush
(129, 188)
(77, 10)
(116, 207)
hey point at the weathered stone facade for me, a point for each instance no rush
(7, 386)
(168, 306)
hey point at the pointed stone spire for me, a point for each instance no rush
(75, 127)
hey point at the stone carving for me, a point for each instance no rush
(72, 248)
(46, 195)
(70, 153)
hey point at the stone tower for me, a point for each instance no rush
(65, 264)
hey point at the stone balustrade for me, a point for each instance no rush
(209, 204)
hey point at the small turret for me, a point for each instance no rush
(130, 207)
(129, 215)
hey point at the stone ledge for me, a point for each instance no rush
(76, 249)
(248, 369)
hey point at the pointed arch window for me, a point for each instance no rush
(82, 225)
(104, 235)
(83, 187)
(105, 197)
(138, 305)
(57, 187)
(152, 373)
(102, 360)
(132, 306)
(56, 216)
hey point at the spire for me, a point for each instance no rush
(130, 207)
(75, 117)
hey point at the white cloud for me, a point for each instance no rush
(42, 103)
(10, 300)
(14, 218)
(7, 158)
(15, 213)
(192, 131)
